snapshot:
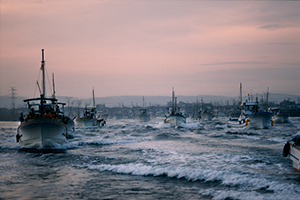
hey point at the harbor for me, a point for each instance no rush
(146, 100)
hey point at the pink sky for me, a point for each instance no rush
(148, 47)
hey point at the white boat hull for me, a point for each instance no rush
(235, 124)
(85, 122)
(175, 120)
(42, 131)
(260, 120)
(293, 152)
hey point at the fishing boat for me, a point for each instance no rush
(174, 117)
(205, 114)
(143, 116)
(43, 125)
(292, 150)
(251, 116)
(90, 117)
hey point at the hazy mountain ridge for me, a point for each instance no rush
(115, 101)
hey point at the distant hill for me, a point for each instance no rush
(128, 101)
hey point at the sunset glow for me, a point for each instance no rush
(148, 47)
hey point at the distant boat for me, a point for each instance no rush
(279, 116)
(234, 116)
(44, 125)
(252, 117)
(89, 117)
(206, 115)
(292, 150)
(174, 117)
(143, 116)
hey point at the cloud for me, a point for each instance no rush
(273, 27)
(283, 43)
(238, 63)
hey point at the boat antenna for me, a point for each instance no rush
(43, 70)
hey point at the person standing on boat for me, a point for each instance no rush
(47, 115)
(54, 114)
(31, 115)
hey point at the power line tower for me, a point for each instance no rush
(13, 97)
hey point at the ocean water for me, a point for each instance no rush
(127, 159)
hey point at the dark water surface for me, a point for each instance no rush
(127, 159)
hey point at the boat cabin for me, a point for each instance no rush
(249, 107)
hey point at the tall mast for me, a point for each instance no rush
(143, 102)
(53, 86)
(43, 70)
(173, 97)
(268, 98)
(241, 95)
(93, 97)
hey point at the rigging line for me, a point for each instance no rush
(36, 85)
(49, 83)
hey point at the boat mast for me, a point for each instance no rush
(93, 97)
(173, 97)
(241, 96)
(43, 70)
(143, 102)
(53, 86)
(268, 98)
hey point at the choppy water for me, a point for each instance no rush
(127, 159)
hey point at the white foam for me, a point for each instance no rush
(162, 125)
(244, 182)
(277, 139)
(251, 137)
(191, 125)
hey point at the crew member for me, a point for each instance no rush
(48, 115)
(31, 114)
(54, 114)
